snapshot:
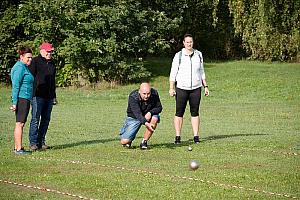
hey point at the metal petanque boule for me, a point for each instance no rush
(194, 165)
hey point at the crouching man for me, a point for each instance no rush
(143, 108)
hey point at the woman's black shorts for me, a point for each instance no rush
(183, 96)
(22, 110)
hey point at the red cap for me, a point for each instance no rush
(47, 46)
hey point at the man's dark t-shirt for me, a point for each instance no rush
(137, 108)
(44, 72)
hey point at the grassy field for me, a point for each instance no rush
(250, 142)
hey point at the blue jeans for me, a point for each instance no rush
(40, 119)
(131, 127)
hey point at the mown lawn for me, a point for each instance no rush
(250, 142)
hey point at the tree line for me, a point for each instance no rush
(109, 39)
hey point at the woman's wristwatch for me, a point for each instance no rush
(206, 86)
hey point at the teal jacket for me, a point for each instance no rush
(22, 82)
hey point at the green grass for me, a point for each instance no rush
(250, 140)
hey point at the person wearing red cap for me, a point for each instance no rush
(44, 96)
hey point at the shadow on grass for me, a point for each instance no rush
(171, 145)
(70, 145)
(217, 137)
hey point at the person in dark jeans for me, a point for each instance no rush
(143, 108)
(44, 96)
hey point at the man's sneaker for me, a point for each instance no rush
(44, 147)
(128, 145)
(144, 145)
(196, 139)
(22, 152)
(33, 147)
(177, 140)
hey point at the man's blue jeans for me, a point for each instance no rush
(131, 127)
(40, 119)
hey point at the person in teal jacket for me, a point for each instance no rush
(22, 86)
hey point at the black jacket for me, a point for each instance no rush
(44, 72)
(137, 108)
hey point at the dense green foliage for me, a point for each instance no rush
(270, 29)
(109, 40)
(249, 149)
(101, 42)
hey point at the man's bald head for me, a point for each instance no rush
(145, 91)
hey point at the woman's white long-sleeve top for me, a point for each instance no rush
(187, 71)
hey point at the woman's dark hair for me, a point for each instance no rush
(187, 35)
(24, 50)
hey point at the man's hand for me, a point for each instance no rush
(149, 126)
(148, 116)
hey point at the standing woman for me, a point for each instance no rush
(22, 86)
(188, 73)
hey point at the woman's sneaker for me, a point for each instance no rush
(196, 139)
(177, 140)
(128, 145)
(44, 147)
(22, 152)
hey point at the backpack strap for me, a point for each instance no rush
(180, 55)
(199, 55)
(196, 52)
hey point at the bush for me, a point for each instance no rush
(96, 39)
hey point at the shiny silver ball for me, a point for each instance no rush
(190, 148)
(194, 165)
